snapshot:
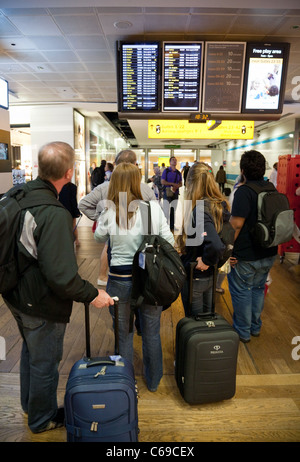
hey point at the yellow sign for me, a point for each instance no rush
(163, 160)
(212, 129)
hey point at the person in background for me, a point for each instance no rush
(273, 175)
(91, 169)
(68, 197)
(185, 171)
(201, 186)
(124, 228)
(42, 300)
(157, 186)
(108, 171)
(93, 203)
(172, 180)
(221, 178)
(163, 166)
(250, 263)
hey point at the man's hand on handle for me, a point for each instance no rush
(102, 300)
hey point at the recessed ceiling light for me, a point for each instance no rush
(122, 24)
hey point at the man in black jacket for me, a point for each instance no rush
(42, 300)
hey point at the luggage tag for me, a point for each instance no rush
(142, 260)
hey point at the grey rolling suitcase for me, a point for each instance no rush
(206, 356)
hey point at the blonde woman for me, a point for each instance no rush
(203, 244)
(121, 223)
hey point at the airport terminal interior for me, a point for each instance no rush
(197, 80)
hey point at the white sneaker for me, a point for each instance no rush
(101, 283)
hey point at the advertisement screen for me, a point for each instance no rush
(265, 77)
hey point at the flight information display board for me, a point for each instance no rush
(223, 76)
(138, 77)
(265, 77)
(182, 72)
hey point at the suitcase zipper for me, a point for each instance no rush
(94, 427)
(101, 372)
(86, 380)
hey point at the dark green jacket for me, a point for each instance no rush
(49, 280)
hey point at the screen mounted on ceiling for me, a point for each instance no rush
(3, 93)
(138, 77)
(182, 72)
(265, 77)
(223, 76)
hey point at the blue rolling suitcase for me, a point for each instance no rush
(101, 396)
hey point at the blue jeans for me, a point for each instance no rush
(246, 285)
(41, 354)
(150, 327)
(202, 296)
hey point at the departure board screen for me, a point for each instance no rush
(265, 76)
(139, 75)
(182, 72)
(223, 76)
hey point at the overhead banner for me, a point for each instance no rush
(212, 129)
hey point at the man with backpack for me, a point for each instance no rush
(252, 257)
(47, 283)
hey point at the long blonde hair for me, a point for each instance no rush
(126, 178)
(201, 185)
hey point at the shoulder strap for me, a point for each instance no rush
(167, 171)
(28, 199)
(146, 217)
(258, 189)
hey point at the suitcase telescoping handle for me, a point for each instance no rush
(215, 274)
(87, 327)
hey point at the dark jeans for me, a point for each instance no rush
(202, 296)
(246, 285)
(41, 354)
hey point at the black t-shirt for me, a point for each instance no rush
(68, 198)
(245, 206)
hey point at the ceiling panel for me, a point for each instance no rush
(35, 25)
(65, 50)
(78, 25)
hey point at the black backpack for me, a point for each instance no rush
(158, 274)
(275, 219)
(97, 176)
(11, 205)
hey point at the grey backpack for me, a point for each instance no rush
(275, 219)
